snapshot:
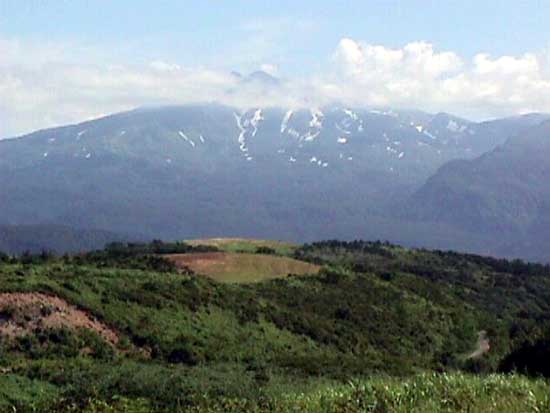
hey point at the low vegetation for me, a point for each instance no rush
(378, 328)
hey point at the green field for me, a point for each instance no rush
(242, 267)
(246, 245)
(378, 329)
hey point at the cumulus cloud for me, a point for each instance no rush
(416, 75)
(43, 86)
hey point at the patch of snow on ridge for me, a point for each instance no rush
(201, 138)
(248, 127)
(292, 159)
(316, 118)
(347, 132)
(45, 154)
(455, 127)
(79, 134)
(342, 140)
(419, 128)
(286, 119)
(185, 138)
(256, 120)
(384, 113)
(315, 124)
(429, 135)
(351, 114)
(241, 139)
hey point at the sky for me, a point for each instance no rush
(65, 61)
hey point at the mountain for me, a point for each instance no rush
(208, 170)
(17, 239)
(502, 194)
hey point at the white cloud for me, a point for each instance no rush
(54, 84)
(418, 76)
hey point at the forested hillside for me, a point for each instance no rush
(123, 329)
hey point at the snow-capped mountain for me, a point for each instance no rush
(208, 170)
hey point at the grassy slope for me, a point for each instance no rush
(373, 309)
(242, 267)
(246, 245)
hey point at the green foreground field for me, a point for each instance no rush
(379, 328)
(425, 393)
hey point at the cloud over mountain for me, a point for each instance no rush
(44, 85)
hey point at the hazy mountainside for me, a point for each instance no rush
(122, 325)
(503, 194)
(210, 170)
(17, 239)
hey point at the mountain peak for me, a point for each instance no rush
(262, 77)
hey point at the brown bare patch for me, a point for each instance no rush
(23, 313)
(241, 267)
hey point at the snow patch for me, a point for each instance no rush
(429, 135)
(45, 154)
(347, 132)
(342, 140)
(286, 119)
(79, 134)
(185, 138)
(453, 126)
(351, 114)
(256, 120)
(315, 125)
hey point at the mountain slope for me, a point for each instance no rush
(209, 170)
(54, 238)
(503, 194)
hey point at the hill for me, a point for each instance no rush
(186, 342)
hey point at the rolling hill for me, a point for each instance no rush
(121, 329)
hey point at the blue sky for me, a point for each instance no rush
(65, 61)
(297, 35)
